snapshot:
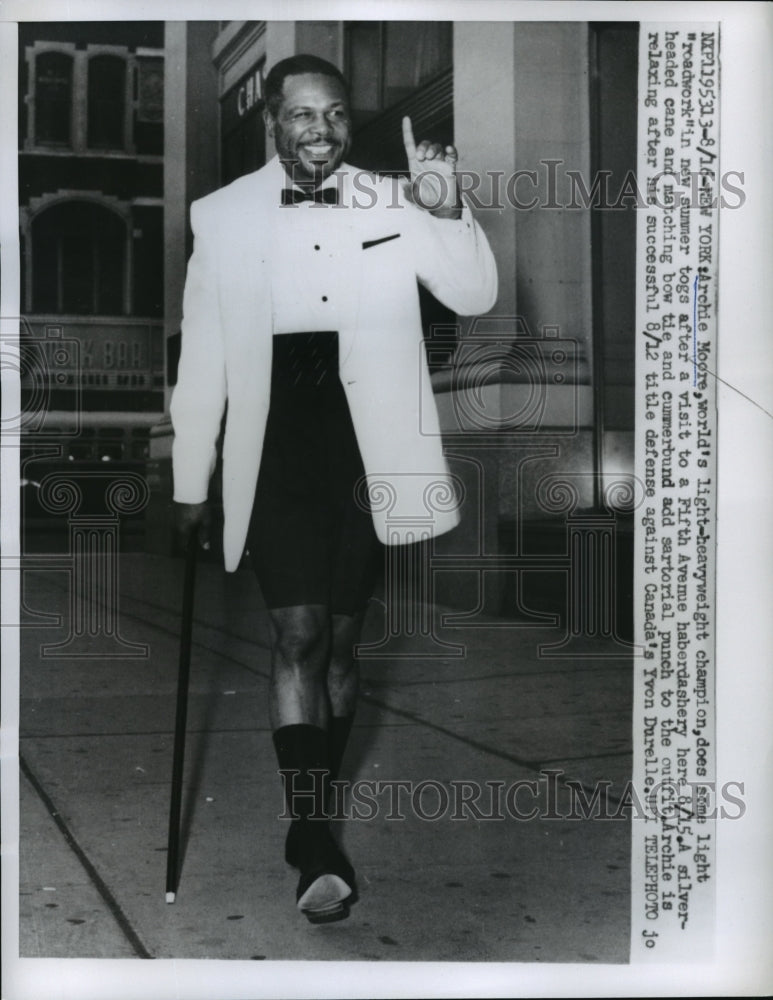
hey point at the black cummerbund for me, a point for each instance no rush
(305, 360)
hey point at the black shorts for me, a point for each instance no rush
(311, 539)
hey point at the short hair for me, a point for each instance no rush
(293, 66)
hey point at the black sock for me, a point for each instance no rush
(338, 736)
(300, 750)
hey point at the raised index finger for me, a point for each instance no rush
(408, 140)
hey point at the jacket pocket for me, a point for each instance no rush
(383, 239)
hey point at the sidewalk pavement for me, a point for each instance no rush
(96, 751)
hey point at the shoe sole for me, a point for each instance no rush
(325, 900)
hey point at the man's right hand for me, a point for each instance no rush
(189, 517)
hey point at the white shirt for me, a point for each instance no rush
(310, 286)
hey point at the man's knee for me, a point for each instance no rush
(301, 634)
(345, 634)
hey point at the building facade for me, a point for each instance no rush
(91, 217)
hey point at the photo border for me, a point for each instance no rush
(744, 691)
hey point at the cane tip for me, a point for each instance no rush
(170, 897)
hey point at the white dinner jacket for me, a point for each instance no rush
(227, 346)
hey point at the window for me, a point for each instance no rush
(78, 260)
(365, 69)
(614, 62)
(106, 102)
(389, 60)
(415, 52)
(104, 99)
(398, 68)
(53, 98)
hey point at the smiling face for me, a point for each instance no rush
(311, 127)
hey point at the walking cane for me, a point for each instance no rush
(183, 674)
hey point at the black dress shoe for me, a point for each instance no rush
(327, 885)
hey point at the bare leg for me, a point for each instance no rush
(343, 675)
(298, 706)
(300, 643)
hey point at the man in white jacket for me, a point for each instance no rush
(301, 313)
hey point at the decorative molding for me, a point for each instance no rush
(42, 202)
(236, 50)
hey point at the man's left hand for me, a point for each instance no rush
(433, 175)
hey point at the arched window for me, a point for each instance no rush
(78, 260)
(53, 98)
(106, 102)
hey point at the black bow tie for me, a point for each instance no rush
(327, 196)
